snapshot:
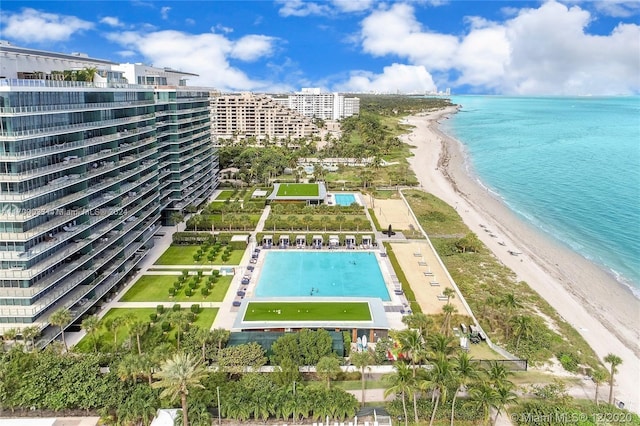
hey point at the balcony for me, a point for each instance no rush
(69, 128)
(39, 109)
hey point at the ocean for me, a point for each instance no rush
(568, 165)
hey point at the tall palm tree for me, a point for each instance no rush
(30, 334)
(440, 344)
(361, 360)
(483, 397)
(176, 218)
(441, 377)
(400, 382)
(504, 396)
(90, 325)
(420, 321)
(465, 370)
(522, 326)
(498, 375)
(328, 368)
(10, 334)
(450, 293)
(61, 318)
(179, 320)
(113, 324)
(138, 328)
(412, 345)
(615, 361)
(176, 377)
(598, 376)
(510, 303)
(448, 311)
(340, 219)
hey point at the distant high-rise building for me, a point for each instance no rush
(88, 171)
(311, 102)
(246, 115)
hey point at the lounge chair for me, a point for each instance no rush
(434, 283)
(428, 273)
(422, 263)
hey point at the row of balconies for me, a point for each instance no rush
(69, 146)
(39, 109)
(6, 135)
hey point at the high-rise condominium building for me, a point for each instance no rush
(88, 171)
(247, 115)
(311, 102)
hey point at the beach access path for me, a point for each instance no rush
(603, 311)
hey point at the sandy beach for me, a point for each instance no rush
(605, 312)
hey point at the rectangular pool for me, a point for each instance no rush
(323, 274)
(344, 199)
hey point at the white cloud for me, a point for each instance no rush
(126, 53)
(305, 8)
(252, 47)
(615, 8)
(164, 12)
(222, 28)
(394, 78)
(204, 54)
(111, 21)
(35, 26)
(545, 50)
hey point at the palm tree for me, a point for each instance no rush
(10, 334)
(61, 318)
(522, 327)
(176, 218)
(448, 311)
(340, 219)
(483, 397)
(510, 302)
(412, 345)
(439, 344)
(419, 321)
(504, 397)
(450, 293)
(179, 320)
(464, 371)
(130, 367)
(498, 375)
(598, 376)
(138, 328)
(30, 334)
(113, 324)
(615, 361)
(197, 221)
(361, 360)
(176, 376)
(220, 336)
(328, 368)
(441, 377)
(400, 382)
(245, 219)
(90, 325)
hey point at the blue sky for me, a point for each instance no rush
(568, 47)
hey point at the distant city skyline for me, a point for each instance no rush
(571, 47)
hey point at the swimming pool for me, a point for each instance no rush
(324, 274)
(344, 199)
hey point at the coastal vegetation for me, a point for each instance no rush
(306, 311)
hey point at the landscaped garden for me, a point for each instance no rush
(322, 218)
(179, 288)
(307, 311)
(118, 325)
(200, 255)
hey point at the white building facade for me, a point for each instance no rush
(312, 103)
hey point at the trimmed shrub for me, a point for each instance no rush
(188, 292)
(191, 316)
(193, 285)
(195, 308)
(160, 309)
(177, 285)
(176, 307)
(166, 326)
(153, 317)
(172, 292)
(205, 291)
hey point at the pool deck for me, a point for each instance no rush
(226, 318)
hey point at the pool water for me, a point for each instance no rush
(344, 199)
(322, 274)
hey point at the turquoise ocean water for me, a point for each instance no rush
(569, 166)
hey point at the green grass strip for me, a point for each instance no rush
(308, 311)
(408, 292)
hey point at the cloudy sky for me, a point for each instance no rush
(567, 47)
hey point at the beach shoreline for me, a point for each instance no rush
(600, 308)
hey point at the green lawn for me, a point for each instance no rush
(155, 288)
(307, 311)
(105, 338)
(298, 189)
(183, 255)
